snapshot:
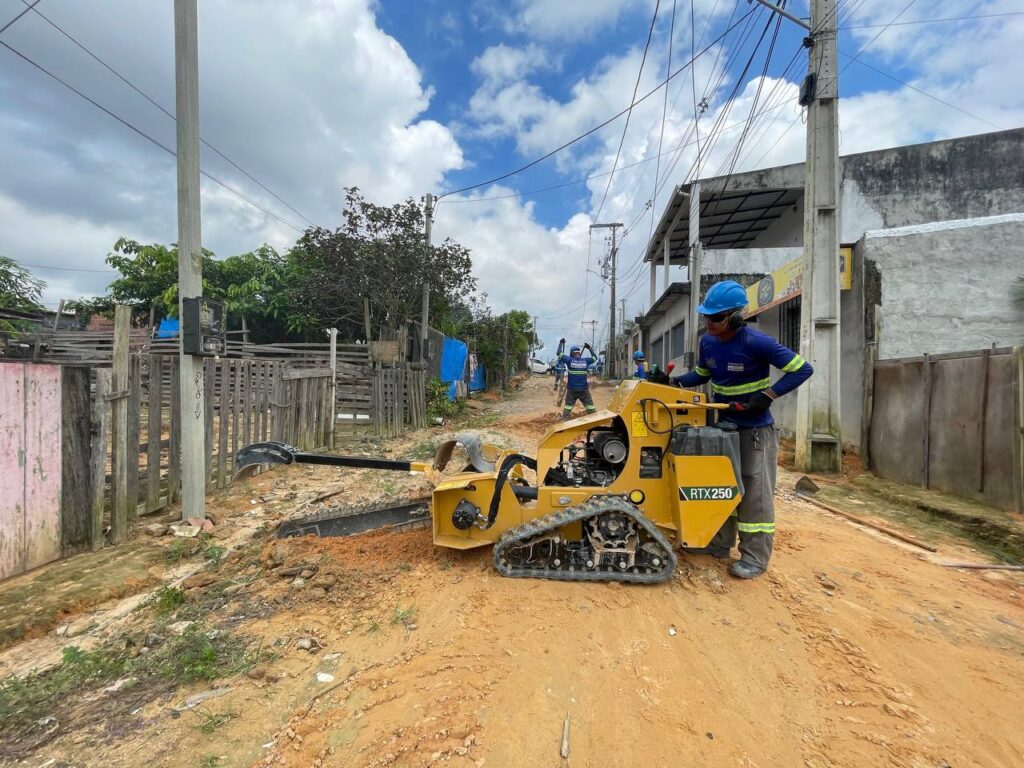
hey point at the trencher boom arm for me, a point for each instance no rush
(262, 454)
(272, 452)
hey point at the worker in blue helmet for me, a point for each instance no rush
(737, 360)
(640, 370)
(577, 370)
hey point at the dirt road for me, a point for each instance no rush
(852, 651)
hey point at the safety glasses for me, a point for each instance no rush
(720, 317)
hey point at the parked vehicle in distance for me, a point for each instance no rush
(539, 366)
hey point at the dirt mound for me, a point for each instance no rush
(372, 551)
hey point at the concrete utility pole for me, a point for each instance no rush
(818, 434)
(609, 354)
(425, 312)
(190, 257)
(694, 269)
(818, 446)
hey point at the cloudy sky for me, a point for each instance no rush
(402, 98)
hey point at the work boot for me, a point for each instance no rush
(741, 569)
(716, 552)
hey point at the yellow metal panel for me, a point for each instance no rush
(705, 492)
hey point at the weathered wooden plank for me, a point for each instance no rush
(119, 427)
(236, 411)
(293, 374)
(223, 421)
(134, 421)
(76, 480)
(300, 387)
(12, 469)
(248, 392)
(98, 457)
(174, 449)
(42, 464)
(154, 432)
(210, 370)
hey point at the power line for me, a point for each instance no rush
(159, 106)
(596, 128)
(629, 113)
(149, 138)
(936, 21)
(66, 269)
(9, 23)
(924, 93)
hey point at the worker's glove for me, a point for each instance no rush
(561, 341)
(758, 403)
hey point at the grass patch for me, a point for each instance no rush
(209, 761)
(215, 553)
(176, 552)
(402, 615)
(210, 722)
(166, 600)
(373, 627)
(423, 450)
(198, 654)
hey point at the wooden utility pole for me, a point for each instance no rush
(190, 256)
(818, 433)
(609, 356)
(425, 312)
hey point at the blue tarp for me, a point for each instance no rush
(454, 354)
(478, 375)
(168, 328)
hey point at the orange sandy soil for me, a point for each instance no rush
(854, 650)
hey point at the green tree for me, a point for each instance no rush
(379, 252)
(19, 290)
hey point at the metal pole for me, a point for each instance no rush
(190, 256)
(425, 312)
(694, 269)
(783, 12)
(818, 437)
(609, 356)
(611, 320)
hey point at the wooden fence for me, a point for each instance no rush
(951, 422)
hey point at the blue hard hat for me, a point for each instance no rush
(638, 355)
(575, 348)
(723, 296)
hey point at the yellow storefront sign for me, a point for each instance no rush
(786, 283)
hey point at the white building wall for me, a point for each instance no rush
(946, 286)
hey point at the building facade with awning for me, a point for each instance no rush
(931, 237)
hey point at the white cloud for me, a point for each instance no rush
(307, 98)
(502, 63)
(570, 20)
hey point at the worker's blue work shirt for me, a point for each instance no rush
(739, 368)
(641, 371)
(576, 369)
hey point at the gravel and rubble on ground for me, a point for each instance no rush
(236, 648)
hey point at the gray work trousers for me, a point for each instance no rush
(754, 518)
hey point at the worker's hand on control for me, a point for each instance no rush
(561, 341)
(758, 403)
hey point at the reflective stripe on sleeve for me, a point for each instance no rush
(795, 364)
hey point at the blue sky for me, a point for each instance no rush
(401, 98)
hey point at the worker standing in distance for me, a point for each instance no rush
(640, 371)
(577, 369)
(737, 359)
(559, 365)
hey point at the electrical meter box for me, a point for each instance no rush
(202, 327)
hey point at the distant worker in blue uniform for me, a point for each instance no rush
(559, 365)
(640, 369)
(737, 360)
(577, 369)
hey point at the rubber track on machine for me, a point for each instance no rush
(589, 508)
